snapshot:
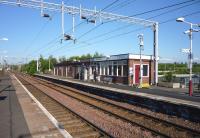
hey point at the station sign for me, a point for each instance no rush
(185, 50)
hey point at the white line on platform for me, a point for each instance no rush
(51, 118)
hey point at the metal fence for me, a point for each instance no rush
(184, 81)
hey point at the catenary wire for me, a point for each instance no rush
(168, 6)
(165, 7)
(109, 5)
(106, 7)
(39, 33)
(121, 5)
(123, 27)
(132, 31)
(163, 22)
(162, 8)
(158, 9)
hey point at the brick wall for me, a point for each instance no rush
(148, 79)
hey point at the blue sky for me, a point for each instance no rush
(30, 35)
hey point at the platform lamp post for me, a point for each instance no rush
(38, 64)
(49, 64)
(2, 56)
(141, 44)
(3, 39)
(189, 32)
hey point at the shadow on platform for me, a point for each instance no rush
(37, 133)
(7, 88)
(3, 98)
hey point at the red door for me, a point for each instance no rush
(137, 74)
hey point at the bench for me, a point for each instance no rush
(107, 80)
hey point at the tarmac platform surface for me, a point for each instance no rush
(13, 123)
(20, 116)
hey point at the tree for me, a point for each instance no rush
(30, 68)
(87, 56)
(74, 58)
(96, 55)
(44, 64)
(53, 61)
(61, 59)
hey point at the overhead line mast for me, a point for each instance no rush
(76, 10)
(95, 14)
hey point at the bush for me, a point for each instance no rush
(169, 77)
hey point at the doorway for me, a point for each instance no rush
(137, 74)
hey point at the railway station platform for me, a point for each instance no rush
(177, 95)
(20, 116)
(176, 102)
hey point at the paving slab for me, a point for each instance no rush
(20, 116)
(38, 123)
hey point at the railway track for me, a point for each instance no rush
(68, 120)
(156, 126)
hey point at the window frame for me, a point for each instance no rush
(147, 70)
(119, 70)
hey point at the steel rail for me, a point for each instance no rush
(179, 127)
(106, 111)
(98, 129)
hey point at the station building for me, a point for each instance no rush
(122, 69)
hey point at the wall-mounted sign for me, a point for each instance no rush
(131, 70)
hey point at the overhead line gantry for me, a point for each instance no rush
(91, 16)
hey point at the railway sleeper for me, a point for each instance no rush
(64, 113)
(47, 103)
(78, 126)
(74, 130)
(53, 110)
(64, 118)
(73, 121)
(53, 107)
(61, 111)
(93, 134)
(82, 131)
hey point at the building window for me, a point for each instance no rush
(98, 70)
(102, 70)
(124, 62)
(70, 68)
(106, 71)
(119, 70)
(125, 70)
(115, 70)
(110, 69)
(145, 70)
(93, 69)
